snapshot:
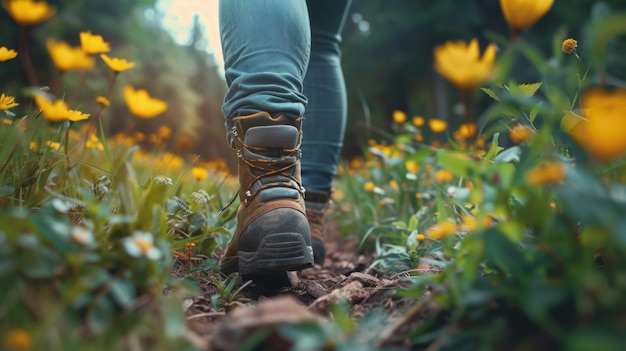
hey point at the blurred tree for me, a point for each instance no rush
(388, 58)
(186, 77)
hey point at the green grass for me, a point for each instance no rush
(528, 257)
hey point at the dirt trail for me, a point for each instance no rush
(308, 296)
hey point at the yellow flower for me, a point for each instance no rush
(164, 131)
(7, 54)
(461, 64)
(170, 162)
(399, 116)
(467, 131)
(569, 45)
(601, 133)
(28, 12)
(67, 58)
(19, 339)
(185, 141)
(442, 230)
(386, 201)
(141, 104)
(199, 173)
(117, 64)
(76, 116)
(520, 132)
(55, 145)
(357, 162)
(103, 101)
(58, 110)
(154, 138)
(521, 14)
(338, 195)
(547, 173)
(394, 185)
(437, 125)
(420, 237)
(418, 121)
(469, 223)
(139, 136)
(369, 186)
(52, 111)
(93, 44)
(94, 143)
(412, 166)
(7, 102)
(443, 176)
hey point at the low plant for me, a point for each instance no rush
(521, 216)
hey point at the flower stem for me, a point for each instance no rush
(513, 39)
(56, 81)
(466, 100)
(26, 59)
(96, 117)
(81, 82)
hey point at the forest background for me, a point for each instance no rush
(387, 59)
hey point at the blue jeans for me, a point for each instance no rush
(283, 57)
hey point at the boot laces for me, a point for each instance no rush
(279, 166)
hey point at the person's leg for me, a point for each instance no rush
(266, 45)
(326, 112)
(324, 87)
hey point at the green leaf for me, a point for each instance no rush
(102, 315)
(534, 111)
(196, 222)
(524, 90)
(511, 154)
(413, 223)
(399, 224)
(54, 228)
(173, 320)
(125, 183)
(495, 148)
(595, 338)
(504, 254)
(492, 94)
(459, 166)
(601, 30)
(151, 202)
(570, 120)
(123, 292)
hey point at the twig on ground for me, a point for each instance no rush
(206, 314)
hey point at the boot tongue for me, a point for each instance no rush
(272, 137)
(274, 150)
(272, 145)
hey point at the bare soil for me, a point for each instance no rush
(294, 298)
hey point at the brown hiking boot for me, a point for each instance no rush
(316, 206)
(272, 233)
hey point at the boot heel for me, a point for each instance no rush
(277, 252)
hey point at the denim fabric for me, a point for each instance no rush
(281, 54)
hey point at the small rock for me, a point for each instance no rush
(315, 289)
(352, 292)
(266, 316)
(364, 278)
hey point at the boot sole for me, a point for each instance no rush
(277, 252)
